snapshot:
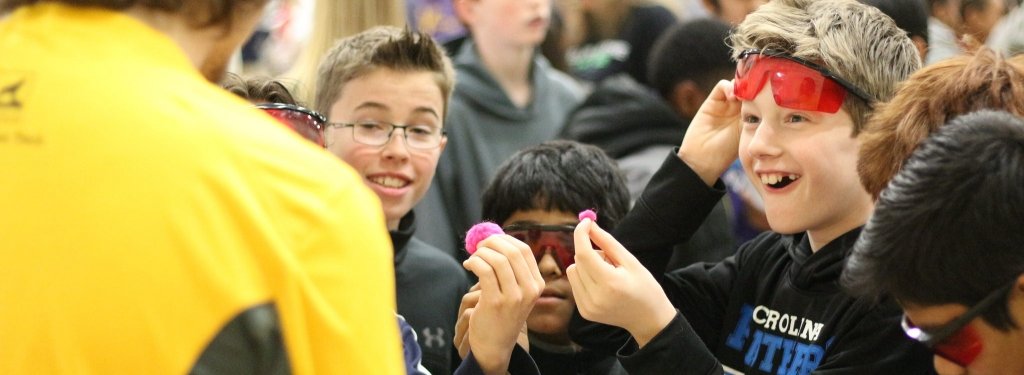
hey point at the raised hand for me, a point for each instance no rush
(615, 288)
(712, 140)
(493, 318)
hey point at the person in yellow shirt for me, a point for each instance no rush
(153, 223)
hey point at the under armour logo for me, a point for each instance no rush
(9, 95)
(433, 337)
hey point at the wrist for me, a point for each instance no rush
(493, 362)
(707, 173)
(647, 329)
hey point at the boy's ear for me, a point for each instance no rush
(464, 10)
(686, 98)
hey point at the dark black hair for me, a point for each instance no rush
(693, 50)
(909, 15)
(558, 175)
(947, 228)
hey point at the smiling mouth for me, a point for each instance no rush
(778, 180)
(389, 182)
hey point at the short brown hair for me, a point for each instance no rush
(204, 13)
(256, 89)
(380, 47)
(927, 100)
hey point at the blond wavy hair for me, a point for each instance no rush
(855, 41)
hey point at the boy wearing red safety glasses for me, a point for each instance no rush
(944, 283)
(535, 196)
(945, 241)
(808, 73)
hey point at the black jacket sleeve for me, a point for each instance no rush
(668, 212)
(677, 338)
(671, 208)
(519, 364)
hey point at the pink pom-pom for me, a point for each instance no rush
(588, 214)
(479, 232)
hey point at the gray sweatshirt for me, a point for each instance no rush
(485, 128)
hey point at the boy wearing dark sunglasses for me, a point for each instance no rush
(807, 75)
(535, 196)
(945, 241)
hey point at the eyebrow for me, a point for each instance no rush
(383, 107)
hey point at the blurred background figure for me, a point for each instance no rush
(615, 36)
(1008, 35)
(980, 16)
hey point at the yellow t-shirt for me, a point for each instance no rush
(142, 209)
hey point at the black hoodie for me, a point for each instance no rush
(429, 288)
(776, 307)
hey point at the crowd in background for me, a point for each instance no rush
(446, 113)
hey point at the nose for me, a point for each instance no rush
(945, 367)
(762, 143)
(548, 266)
(396, 148)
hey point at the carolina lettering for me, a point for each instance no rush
(773, 353)
(788, 324)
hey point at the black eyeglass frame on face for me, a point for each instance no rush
(938, 336)
(850, 87)
(405, 133)
(541, 227)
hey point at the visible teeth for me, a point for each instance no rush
(775, 178)
(390, 182)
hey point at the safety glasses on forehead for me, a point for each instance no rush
(957, 341)
(796, 83)
(542, 239)
(307, 122)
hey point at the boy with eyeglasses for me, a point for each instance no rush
(945, 241)
(495, 357)
(385, 93)
(535, 196)
(808, 73)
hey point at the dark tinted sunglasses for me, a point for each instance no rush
(796, 83)
(957, 341)
(542, 239)
(307, 122)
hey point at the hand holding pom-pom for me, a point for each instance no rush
(479, 232)
(588, 214)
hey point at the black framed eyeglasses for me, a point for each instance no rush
(956, 341)
(544, 238)
(307, 122)
(378, 133)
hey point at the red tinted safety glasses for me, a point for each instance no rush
(307, 122)
(957, 341)
(796, 83)
(542, 239)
